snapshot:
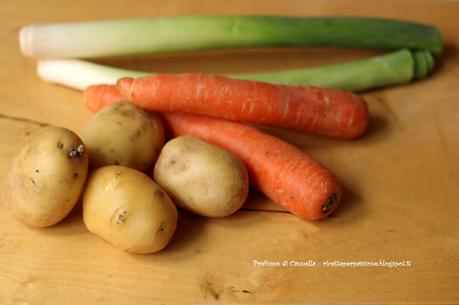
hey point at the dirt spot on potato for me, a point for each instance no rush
(36, 186)
(160, 228)
(76, 153)
(121, 218)
(159, 193)
(175, 165)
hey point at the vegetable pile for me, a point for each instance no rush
(131, 177)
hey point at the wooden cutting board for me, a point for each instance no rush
(401, 183)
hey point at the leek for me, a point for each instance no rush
(394, 68)
(423, 63)
(193, 33)
(360, 75)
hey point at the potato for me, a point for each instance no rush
(128, 209)
(47, 177)
(123, 134)
(202, 177)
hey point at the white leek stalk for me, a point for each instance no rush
(394, 68)
(79, 74)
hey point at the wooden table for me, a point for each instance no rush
(401, 182)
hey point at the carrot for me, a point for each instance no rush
(334, 113)
(98, 96)
(281, 171)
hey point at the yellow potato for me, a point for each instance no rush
(123, 134)
(47, 177)
(128, 209)
(202, 177)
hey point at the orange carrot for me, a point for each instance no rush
(98, 96)
(333, 113)
(281, 171)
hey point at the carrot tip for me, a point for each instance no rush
(330, 204)
(98, 96)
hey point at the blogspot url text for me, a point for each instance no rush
(382, 263)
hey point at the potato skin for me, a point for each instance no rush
(128, 209)
(201, 177)
(47, 177)
(123, 134)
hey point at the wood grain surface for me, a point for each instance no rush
(401, 182)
